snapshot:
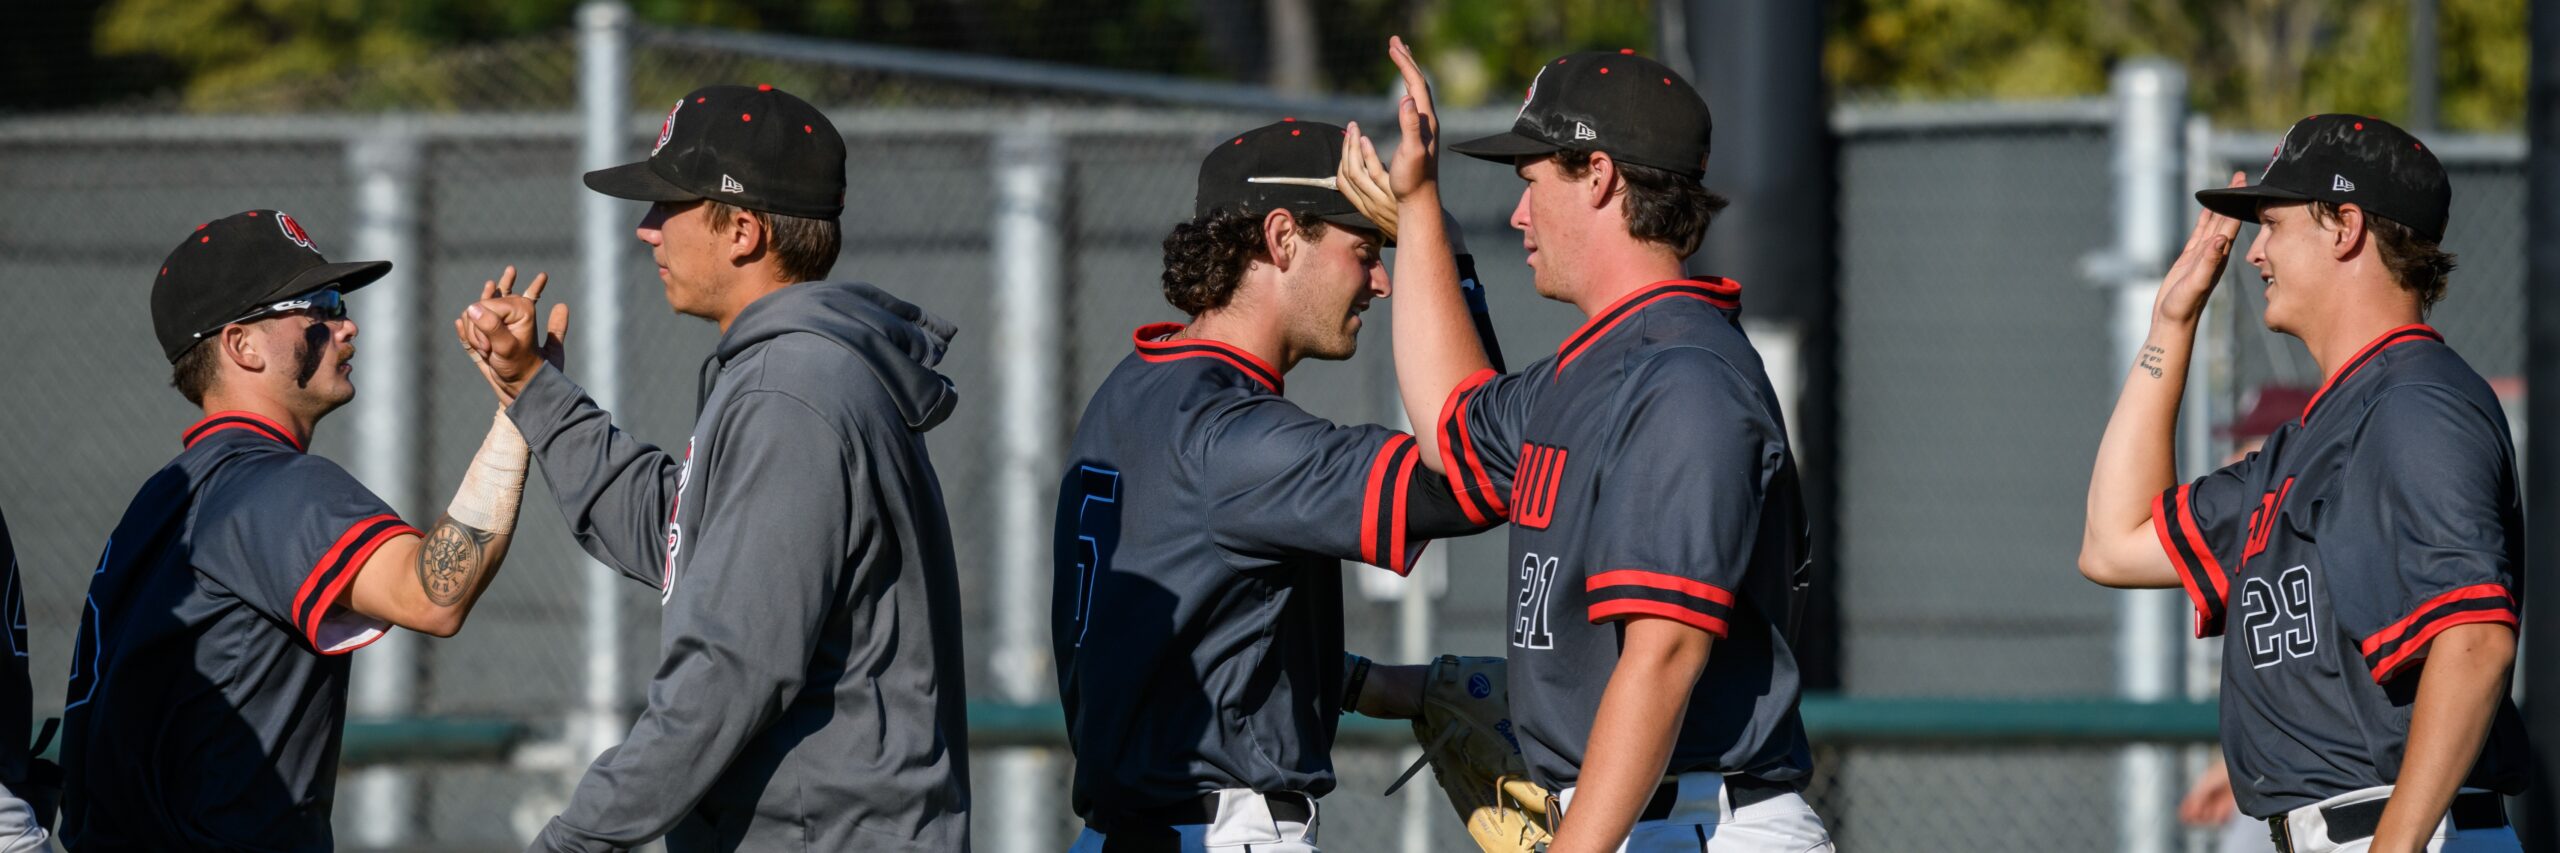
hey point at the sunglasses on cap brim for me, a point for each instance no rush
(324, 304)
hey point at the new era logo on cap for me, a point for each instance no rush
(2341, 184)
(1583, 131)
(731, 185)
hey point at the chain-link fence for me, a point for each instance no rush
(1972, 384)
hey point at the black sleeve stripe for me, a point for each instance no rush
(1382, 516)
(338, 566)
(2171, 520)
(1628, 592)
(1476, 494)
(2390, 650)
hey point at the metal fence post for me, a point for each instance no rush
(2150, 97)
(383, 161)
(1029, 164)
(1414, 642)
(604, 109)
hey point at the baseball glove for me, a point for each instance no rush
(1465, 730)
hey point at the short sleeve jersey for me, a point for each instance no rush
(1645, 471)
(2330, 558)
(1196, 611)
(209, 684)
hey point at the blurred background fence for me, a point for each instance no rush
(1977, 674)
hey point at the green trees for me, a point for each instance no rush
(2252, 62)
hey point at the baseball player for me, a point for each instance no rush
(209, 683)
(1657, 533)
(2365, 561)
(1197, 613)
(810, 695)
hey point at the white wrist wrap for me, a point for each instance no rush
(494, 485)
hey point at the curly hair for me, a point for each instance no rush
(1662, 206)
(1204, 258)
(2421, 266)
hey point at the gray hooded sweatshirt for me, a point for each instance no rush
(809, 696)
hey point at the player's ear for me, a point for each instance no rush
(2349, 236)
(1603, 181)
(746, 234)
(1280, 237)
(240, 347)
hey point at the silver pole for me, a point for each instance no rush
(1421, 810)
(605, 111)
(2151, 109)
(384, 165)
(1030, 178)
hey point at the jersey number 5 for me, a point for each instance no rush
(2278, 618)
(1097, 535)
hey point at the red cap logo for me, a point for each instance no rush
(293, 231)
(667, 128)
(1532, 96)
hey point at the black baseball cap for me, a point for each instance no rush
(755, 147)
(2344, 159)
(1285, 164)
(231, 266)
(1635, 109)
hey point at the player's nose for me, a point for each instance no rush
(1520, 212)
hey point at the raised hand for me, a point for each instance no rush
(1363, 180)
(498, 332)
(1417, 163)
(2199, 266)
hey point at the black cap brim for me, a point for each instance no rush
(1354, 220)
(637, 182)
(1505, 147)
(2241, 203)
(347, 277)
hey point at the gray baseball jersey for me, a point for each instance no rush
(1197, 602)
(2387, 513)
(209, 682)
(1645, 471)
(809, 696)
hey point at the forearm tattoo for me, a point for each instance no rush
(451, 561)
(2150, 360)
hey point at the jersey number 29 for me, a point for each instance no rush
(2278, 618)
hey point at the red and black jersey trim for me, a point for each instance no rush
(1626, 593)
(1382, 506)
(2174, 519)
(2388, 651)
(1719, 292)
(1152, 346)
(1477, 497)
(220, 421)
(2411, 333)
(337, 568)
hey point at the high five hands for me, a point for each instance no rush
(1376, 187)
(498, 332)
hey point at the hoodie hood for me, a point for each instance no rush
(900, 342)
